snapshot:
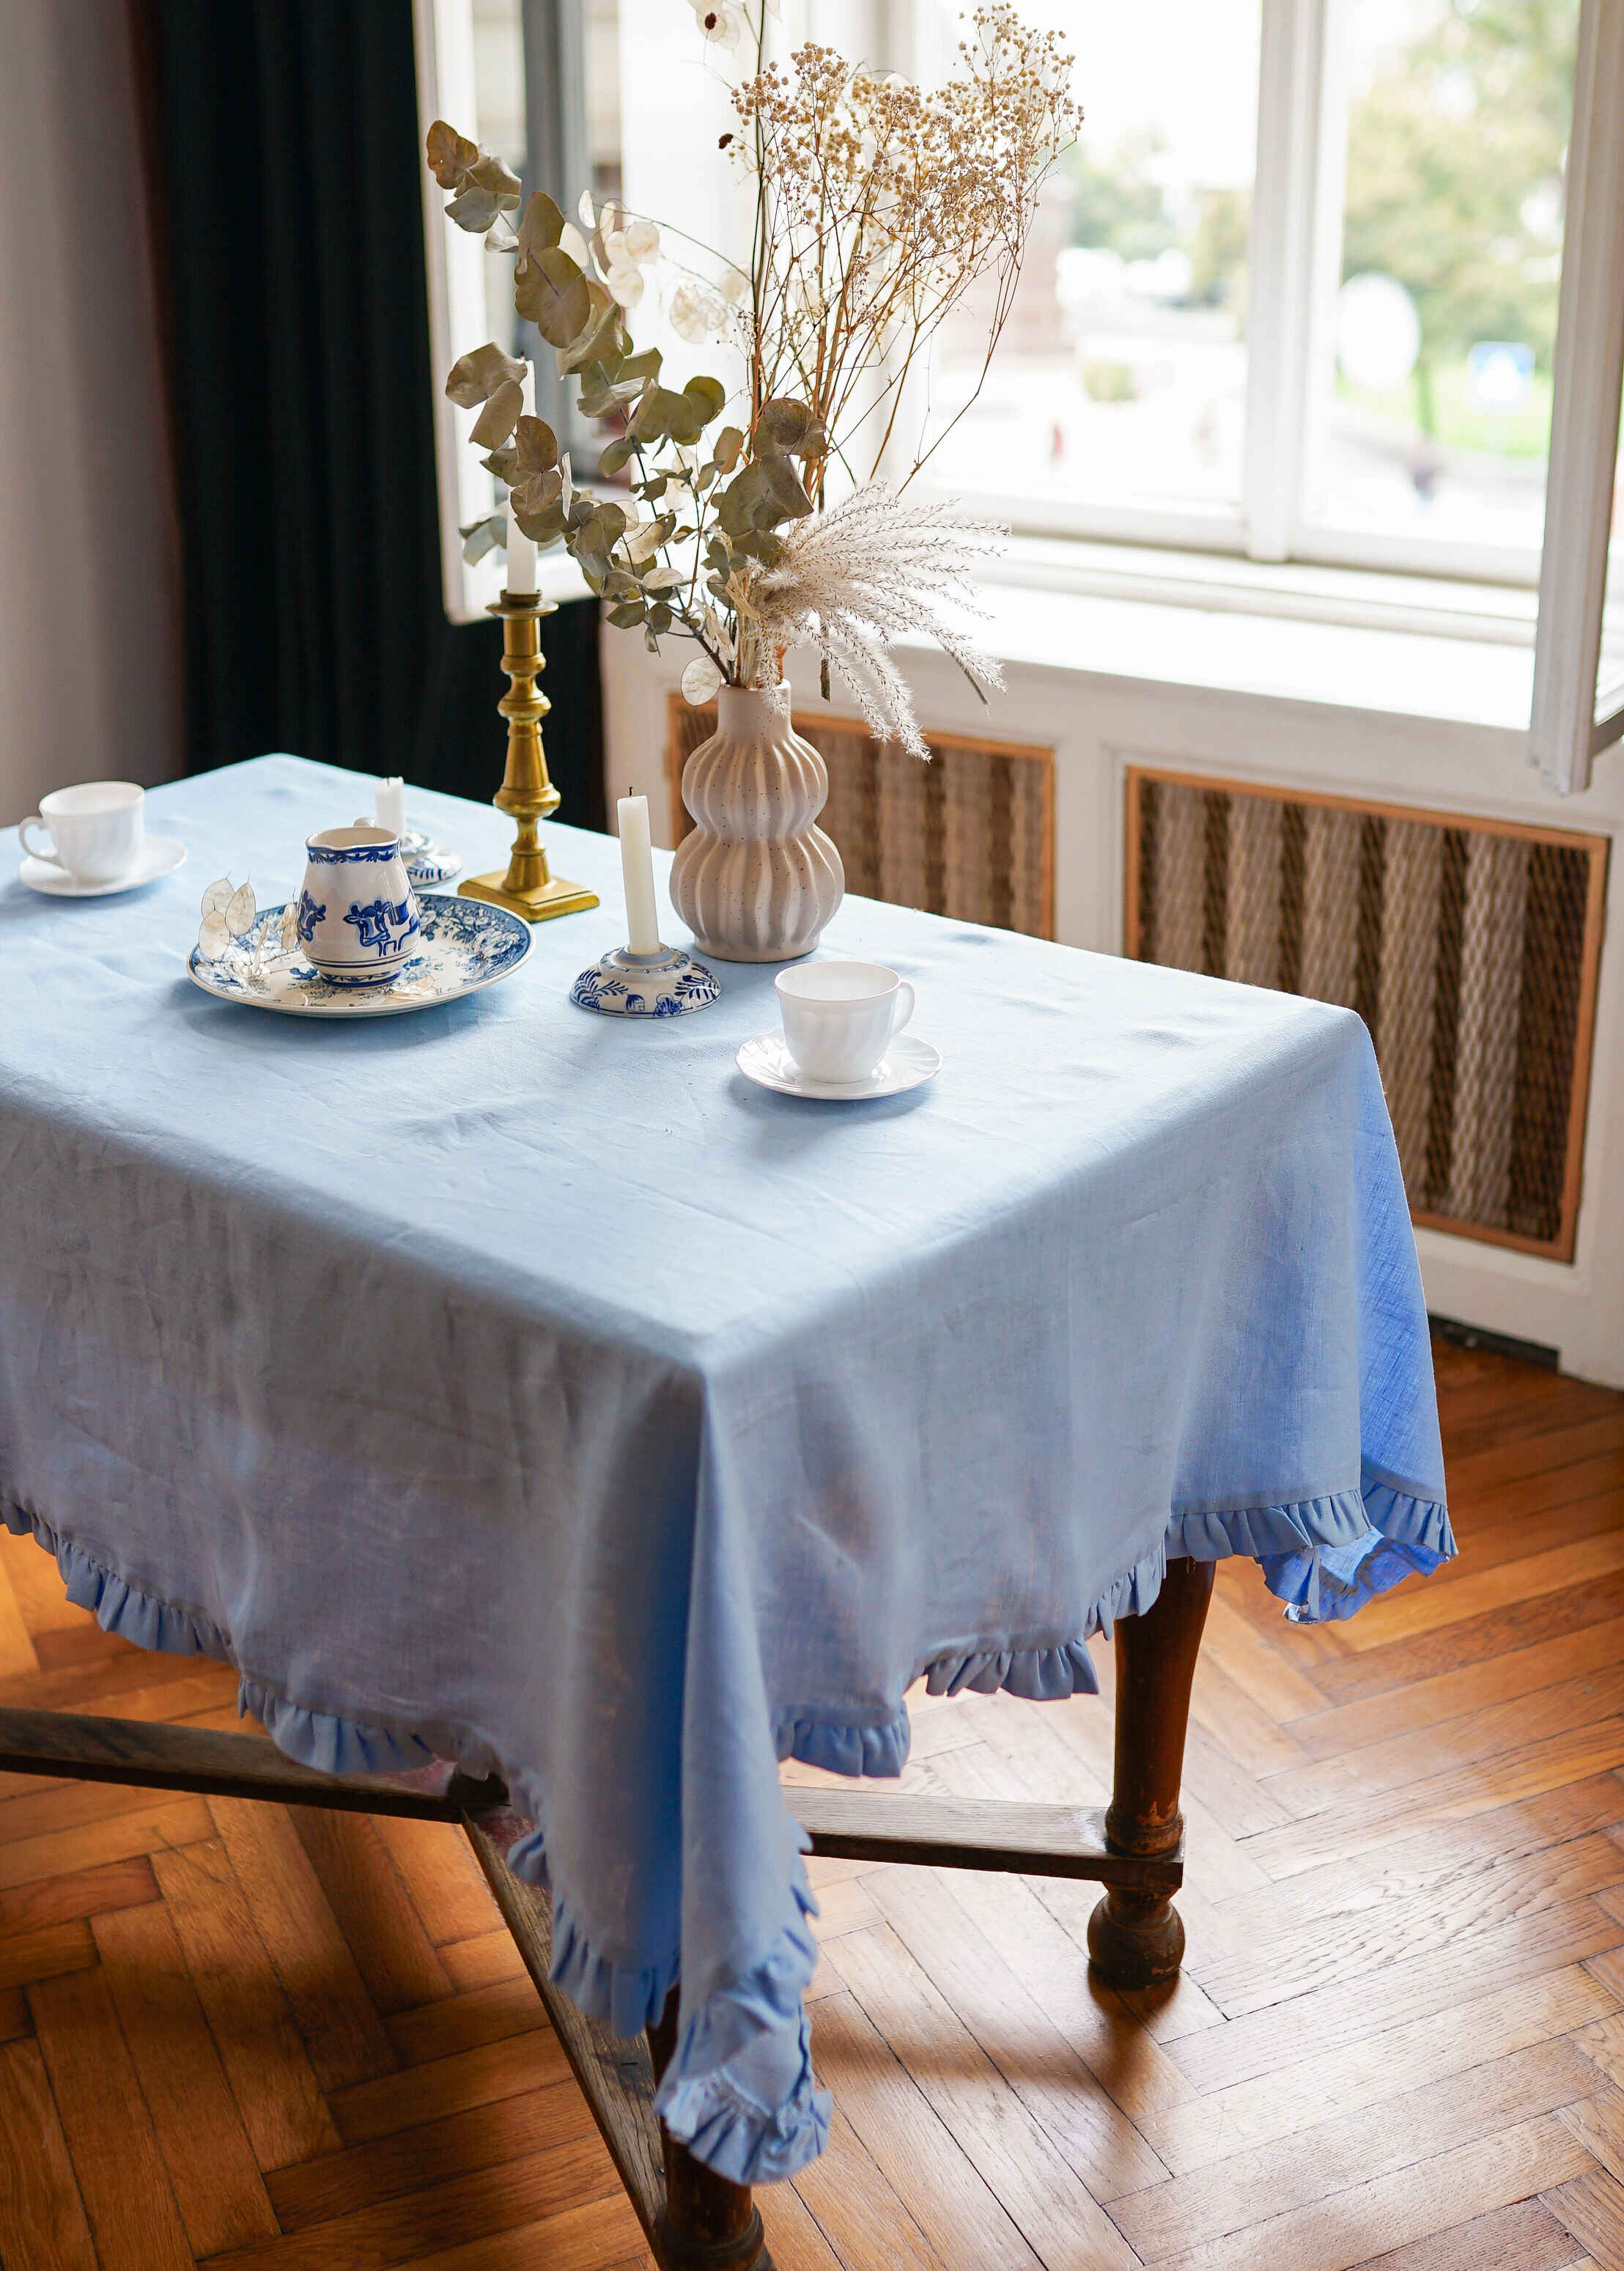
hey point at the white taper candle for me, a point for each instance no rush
(637, 870)
(521, 577)
(390, 802)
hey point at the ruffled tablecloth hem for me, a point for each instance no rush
(1324, 1557)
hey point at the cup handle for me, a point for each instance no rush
(897, 1023)
(51, 859)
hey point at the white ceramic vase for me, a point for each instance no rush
(755, 879)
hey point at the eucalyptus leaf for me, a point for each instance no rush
(488, 534)
(544, 527)
(616, 456)
(476, 375)
(650, 640)
(785, 490)
(500, 237)
(784, 423)
(450, 154)
(626, 617)
(684, 421)
(725, 448)
(710, 393)
(541, 225)
(739, 504)
(664, 413)
(536, 447)
(659, 616)
(499, 415)
(553, 295)
(475, 209)
(603, 338)
(607, 401)
(539, 492)
(490, 175)
(643, 365)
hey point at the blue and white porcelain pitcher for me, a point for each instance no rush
(358, 920)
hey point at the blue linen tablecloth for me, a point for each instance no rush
(508, 1384)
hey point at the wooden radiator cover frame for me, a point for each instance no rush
(1594, 849)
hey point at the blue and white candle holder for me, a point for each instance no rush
(668, 984)
(428, 864)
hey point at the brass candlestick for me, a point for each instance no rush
(526, 888)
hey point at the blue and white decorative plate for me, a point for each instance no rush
(465, 945)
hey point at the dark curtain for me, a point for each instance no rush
(283, 139)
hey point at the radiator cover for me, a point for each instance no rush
(970, 835)
(1470, 947)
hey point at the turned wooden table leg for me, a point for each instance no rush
(1136, 1939)
(708, 2223)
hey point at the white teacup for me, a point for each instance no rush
(358, 915)
(840, 1017)
(96, 831)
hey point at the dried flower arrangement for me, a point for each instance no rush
(877, 207)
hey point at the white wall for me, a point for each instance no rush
(1351, 712)
(89, 612)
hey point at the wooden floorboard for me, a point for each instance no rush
(265, 2039)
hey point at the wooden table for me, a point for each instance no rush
(696, 2220)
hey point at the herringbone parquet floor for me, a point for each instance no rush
(283, 2041)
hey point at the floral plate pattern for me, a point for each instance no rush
(465, 945)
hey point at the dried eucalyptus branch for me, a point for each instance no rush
(877, 208)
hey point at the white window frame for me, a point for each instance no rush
(1574, 719)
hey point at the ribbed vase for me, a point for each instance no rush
(755, 879)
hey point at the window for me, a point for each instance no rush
(1361, 373)
(1119, 389)
(1293, 294)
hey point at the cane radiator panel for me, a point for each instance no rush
(1469, 947)
(971, 834)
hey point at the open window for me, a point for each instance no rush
(1578, 705)
(1318, 284)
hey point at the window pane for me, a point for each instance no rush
(1121, 377)
(1435, 414)
(500, 102)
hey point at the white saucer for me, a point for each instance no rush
(905, 1065)
(160, 856)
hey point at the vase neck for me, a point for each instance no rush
(752, 709)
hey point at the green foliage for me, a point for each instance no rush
(1117, 204)
(1452, 151)
(1218, 255)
